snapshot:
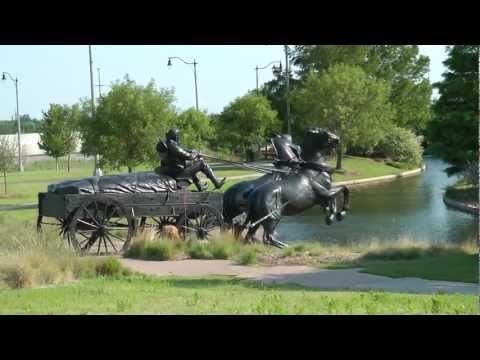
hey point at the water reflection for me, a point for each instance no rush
(410, 208)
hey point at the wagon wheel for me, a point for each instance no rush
(57, 225)
(200, 223)
(157, 223)
(101, 224)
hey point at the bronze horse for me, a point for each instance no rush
(267, 198)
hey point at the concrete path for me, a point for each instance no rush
(351, 279)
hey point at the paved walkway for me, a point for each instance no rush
(350, 279)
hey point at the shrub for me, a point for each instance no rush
(223, 247)
(109, 267)
(162, 249)
(401, 145)
(197, 250)
(247, 256)
(17, 277)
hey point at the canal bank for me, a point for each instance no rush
(468, 208)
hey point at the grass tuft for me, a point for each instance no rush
(247, 256)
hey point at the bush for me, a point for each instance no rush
(223, 247)
(247, 256)
(197, 250)
(401, 144)
(163, 249)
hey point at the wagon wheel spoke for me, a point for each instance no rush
(111, 242)
(88, 224)
(91, 217)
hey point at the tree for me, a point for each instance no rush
(247, 121)
(8, 150)
(347, 101)
(128, 123)
(197, 129)
(400, 66)
(453, 133)
(57, 131)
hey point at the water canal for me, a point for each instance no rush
(410, 208)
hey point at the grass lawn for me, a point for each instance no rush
(218, 295)
(463, 192)
(449, 265)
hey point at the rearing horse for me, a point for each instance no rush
(295, 192)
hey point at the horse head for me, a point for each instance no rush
(318, 142)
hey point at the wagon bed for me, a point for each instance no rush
(105, 223)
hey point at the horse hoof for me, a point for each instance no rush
(330, 219)
(341, 215)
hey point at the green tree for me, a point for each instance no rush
(247, 121)
(8, 150)
(401, 66)
(197, 129)
(347, 101)
(57, 132)
(128, 123)
(453, 134)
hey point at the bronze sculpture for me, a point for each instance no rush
(180, 163)
(308, 183)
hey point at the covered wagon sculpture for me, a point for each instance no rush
(100, 214)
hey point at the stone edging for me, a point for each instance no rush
(460, 206)
(380, 179)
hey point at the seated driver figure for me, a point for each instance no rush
(288, 154)
(178, 162)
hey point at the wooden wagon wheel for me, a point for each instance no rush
(157, 222)
(59, 225)
(200, 223)
(100, 223)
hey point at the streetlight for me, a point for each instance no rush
(96, 171)
(287, 83)
(276, 70)
(15, 80)
(194, 63)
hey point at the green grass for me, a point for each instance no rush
(463, 192)
(218, 295)
(360, 168)
(247, 256)
(427, 262)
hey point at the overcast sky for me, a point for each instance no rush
(60, 74)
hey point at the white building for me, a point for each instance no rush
(30, 144)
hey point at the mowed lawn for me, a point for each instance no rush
(218, 295)
(24, 187)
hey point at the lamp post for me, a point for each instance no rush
(194, 63)
(276, 70)
(15, 80)
(96, 170)
(287, 90)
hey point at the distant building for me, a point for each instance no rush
(30, 144)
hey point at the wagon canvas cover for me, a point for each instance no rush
(142, 182)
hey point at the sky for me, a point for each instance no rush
(61, 74)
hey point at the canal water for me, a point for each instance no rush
(410, 208)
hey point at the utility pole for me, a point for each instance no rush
(99, 84)
(15, 81)
(95, 172)
(194, 63)
(287, 84)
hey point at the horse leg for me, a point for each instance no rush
(237, 230)
(250, 237)
(270, 235)
(332, 207)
